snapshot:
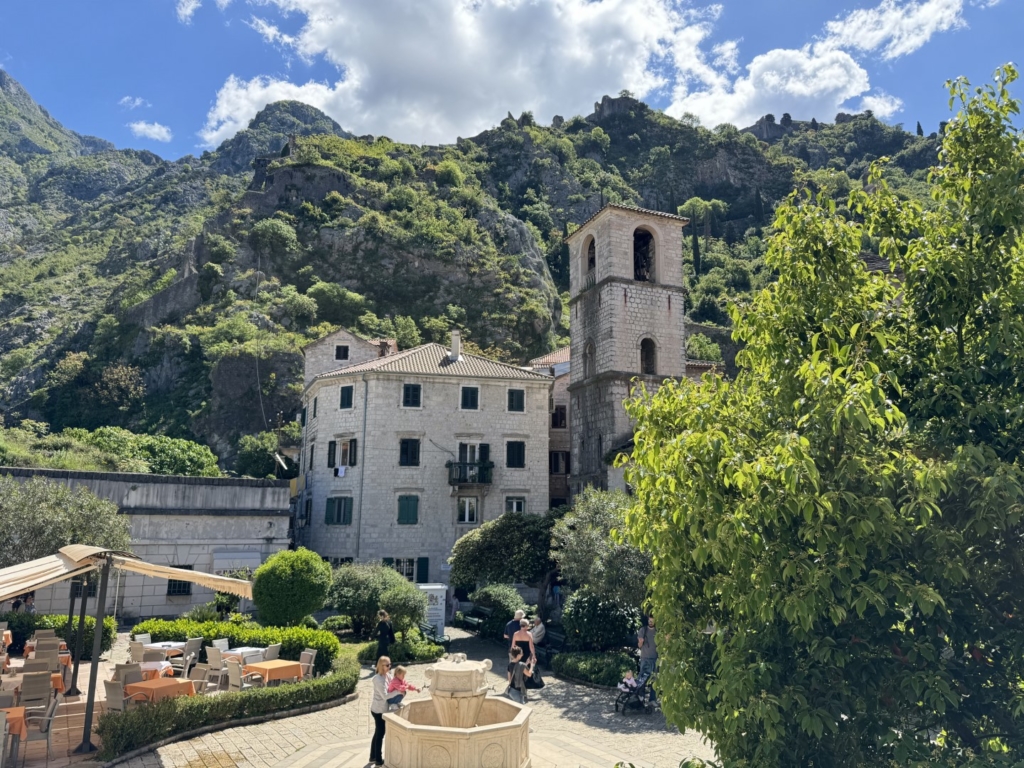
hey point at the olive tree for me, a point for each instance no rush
(836, 533)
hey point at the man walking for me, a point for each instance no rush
(648, 651)
(513, 626)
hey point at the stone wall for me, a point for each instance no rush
(320, 355)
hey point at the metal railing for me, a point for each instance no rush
(470, 472)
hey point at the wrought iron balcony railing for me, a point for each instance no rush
(470, 472)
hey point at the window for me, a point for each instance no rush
(558, 417)
(517, 400)
(515, 503)
(341, 352)
(470, 398)
(409, 453)
(314, 407)
(643, 255)
(418, 568)
(411, 394)
(591, 255)
(557, 501)
(303, 417)
(176, 588)
(515, 454)
(648, 357)
(408, 510)
(339, 511)
(467, 510)
(332, 453)
(309, 466)
(309, 508)
(337, 561)
(559, 462)
(76, 589)
(346, 397)
(588, 361)
(405, 566)
(348, 453)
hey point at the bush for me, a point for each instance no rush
(593, 624)
(289, 586)
(357, 591)
(448, 174)
(23, 625)
(293, 640)
(412, 647)
(201, 613)
(406, 605)
(122, 732)
(505, 601)
(336, 624)
(309, 622)
(598, 668)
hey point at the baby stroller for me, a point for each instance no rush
(636, 699)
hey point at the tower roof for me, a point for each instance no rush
(630, 209)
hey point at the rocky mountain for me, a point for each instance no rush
(174, 297)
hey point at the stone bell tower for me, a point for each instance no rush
(626, 325)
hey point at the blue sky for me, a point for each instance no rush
(180, 76)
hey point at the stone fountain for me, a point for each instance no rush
(459, 726)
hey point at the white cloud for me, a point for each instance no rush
(186, 9)
(154, 131)
(222, 4)
(884, 105)
(435, 69)
(133, 102)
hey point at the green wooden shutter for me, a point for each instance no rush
(422, 570)
(329, 513)
(332, 453)
(346, 511)
(303, 417)
(352, 445)
(408, 510)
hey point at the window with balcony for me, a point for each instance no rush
(474, 465)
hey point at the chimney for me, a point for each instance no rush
(456, 352)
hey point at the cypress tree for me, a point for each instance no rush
(696, 248)
(920, 130)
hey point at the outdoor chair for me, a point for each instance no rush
(41, 633)
(3, 662)
(120, 669)
(48, 644)
(3, 738)
(35, 690)
(154, 655)
(130, 676)
(136, 651)
(52, 658)
(222, 643)
(215, 664)
(144, 639)
(193, 647)
(200, 677)
(36, 665)
(180, 665)
(272, 652)
(253, 658)
(43, 730)
(6, 700)
(236, 680)
(306, 660)
(117, 701)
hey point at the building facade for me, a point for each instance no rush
(626, 328)
(556, 365)
(404, 453)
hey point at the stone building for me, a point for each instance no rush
(556, 365)
(211, 524)
(404, 453)
(626, 327)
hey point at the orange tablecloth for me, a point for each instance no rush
(162, 688)
(276, 669)
(16, 722)
(13, 682)
(8, 637)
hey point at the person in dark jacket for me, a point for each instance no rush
(385, 633)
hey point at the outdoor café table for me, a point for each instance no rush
(275, 669)
(161, 688)
(13, 682)
(30, 646)
(17, 728)
(64, 657)
(169, 648)
(153, 670)
(241, 653)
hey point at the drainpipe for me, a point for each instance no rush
(362, 468)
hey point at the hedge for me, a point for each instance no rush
(413, 647)
(293, 640)
(504, 600)
(598, 668)
(139, 726)
(593, 624)
(23, 625)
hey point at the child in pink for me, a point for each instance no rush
(399, 687)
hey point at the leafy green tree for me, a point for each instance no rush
(40, 516)
(449, 174)
(835, 533)
(289, 586)
(706, 211)
(406, 333)
(406, 605)
(274, 238)
(587, 553)
(256, 455)
(163, 455)
(358, 589)
(700, 347)
(336, 304)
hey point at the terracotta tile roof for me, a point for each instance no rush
(433, 359)
(552, 358)
(631, 209)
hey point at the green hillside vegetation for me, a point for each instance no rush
(175, 297)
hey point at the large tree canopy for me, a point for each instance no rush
(39, 516)
(836, 534)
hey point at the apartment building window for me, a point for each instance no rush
(559, 461)
(515, 454)
(467, 510)
(557, 501)
(309, 466)
(176, 588)
(409, 452)
(314, 407)
(76, 589)
(303, 417)
(341, 352)
(346, 397)
(470, 398)
(413, 568)
(339, 511)
(558, 417)
(516, 400)
(408, 510)
(411, 395)
(406, 566)
(308, 509)
(515, 503)
(348, 453)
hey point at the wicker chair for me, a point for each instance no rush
(44, 728)
(117, 700)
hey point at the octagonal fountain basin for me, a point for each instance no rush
(415, 737)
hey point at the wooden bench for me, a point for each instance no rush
(476, 618)
(429, 631)
(554, 643)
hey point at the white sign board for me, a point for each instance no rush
(437, 595)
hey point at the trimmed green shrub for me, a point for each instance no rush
(336, 624)
(23, 625)
(412, 647)
(293, 640)
(289, 586)
(201, 613)
(593, 624)
(123, 732)
(406, 605)
(607, 668)
(505, 601)
(357, 590)
(309, 622)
